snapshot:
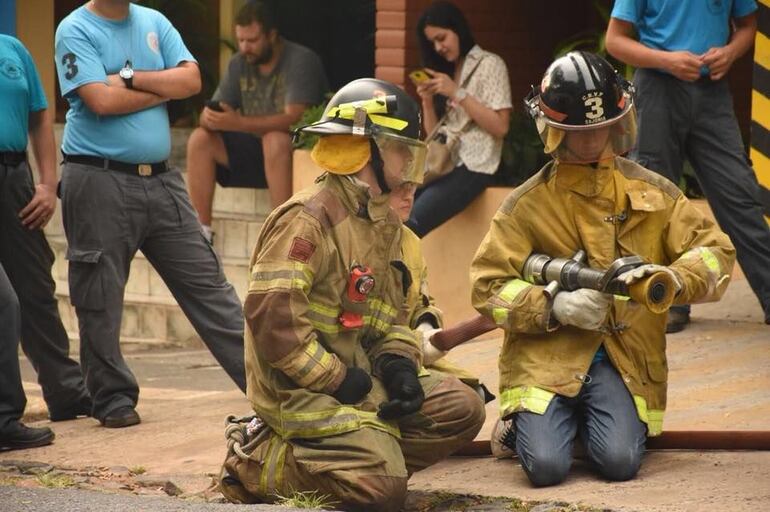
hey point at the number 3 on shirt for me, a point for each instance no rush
(68, 59)
(595, 104)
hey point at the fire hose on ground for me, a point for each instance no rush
(654, 292)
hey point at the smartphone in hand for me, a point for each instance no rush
(419, 76)
(214, 105)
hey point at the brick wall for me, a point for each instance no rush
(525, 34)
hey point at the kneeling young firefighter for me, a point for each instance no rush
(584, 362)
(331, 361)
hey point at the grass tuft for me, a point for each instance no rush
(137, 470)
(306, 499)
(55, 480)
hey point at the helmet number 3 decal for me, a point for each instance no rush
(594, 107)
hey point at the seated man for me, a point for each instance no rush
(588, 363)
(243, 139)
(331, 361)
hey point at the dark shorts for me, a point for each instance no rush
(247, 165)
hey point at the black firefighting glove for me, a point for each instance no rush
(404, 390)
(355, 386)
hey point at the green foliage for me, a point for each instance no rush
(309, 116)
(523, 152)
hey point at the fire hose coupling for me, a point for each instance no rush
(655, 291)
(360, 283)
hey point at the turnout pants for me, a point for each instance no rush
(695, 121)
(28, 259)
(108, 216)
(366, 469)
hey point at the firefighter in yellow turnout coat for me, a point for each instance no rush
(331, 360)
(587, 363)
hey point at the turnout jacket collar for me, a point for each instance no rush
(586, 180)
(357, 198)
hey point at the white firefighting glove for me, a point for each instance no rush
(634, 275)
(583, 308)
(430, 354)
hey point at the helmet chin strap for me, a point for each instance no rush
(379, 167)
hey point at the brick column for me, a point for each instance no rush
(396, 51)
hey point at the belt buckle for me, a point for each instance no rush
(145, 170)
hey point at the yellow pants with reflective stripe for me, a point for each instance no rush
(365, 468)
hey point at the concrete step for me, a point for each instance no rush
(151, 315)
(147, 320)
(144, 280)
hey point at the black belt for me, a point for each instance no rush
(115, 165)
(12, 157)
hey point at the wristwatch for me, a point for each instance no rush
(127, 74)
(460, 94)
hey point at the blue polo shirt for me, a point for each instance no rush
(88, 48)
(674, 25)
(20, 93)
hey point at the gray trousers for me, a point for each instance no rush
(679, 120)
(108, 216)
(28, 260)
(605, 417)
(12, 399)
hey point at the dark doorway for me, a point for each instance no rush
(340, 31)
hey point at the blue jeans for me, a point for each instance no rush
(605, 417)
(444, 198)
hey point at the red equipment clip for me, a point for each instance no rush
(360, 283)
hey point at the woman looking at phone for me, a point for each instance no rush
(471, 86)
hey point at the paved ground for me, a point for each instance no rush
(720, 379)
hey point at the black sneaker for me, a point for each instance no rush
(18, 436)
(677, 320)
(121, 417)
(82, 408)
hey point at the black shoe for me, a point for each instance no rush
(121, 417)
(19, 436)
(677, 320)
(82, 408)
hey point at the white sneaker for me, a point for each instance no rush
(503, 441)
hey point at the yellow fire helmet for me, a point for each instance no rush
(367, 111)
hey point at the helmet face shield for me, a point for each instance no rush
(590, 143)
(403, 159)
(594, 125)
(583, 110)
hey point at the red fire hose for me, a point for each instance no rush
(671, 440)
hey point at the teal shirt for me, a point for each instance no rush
(674, 25)
(88, 48)
(20, 93)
